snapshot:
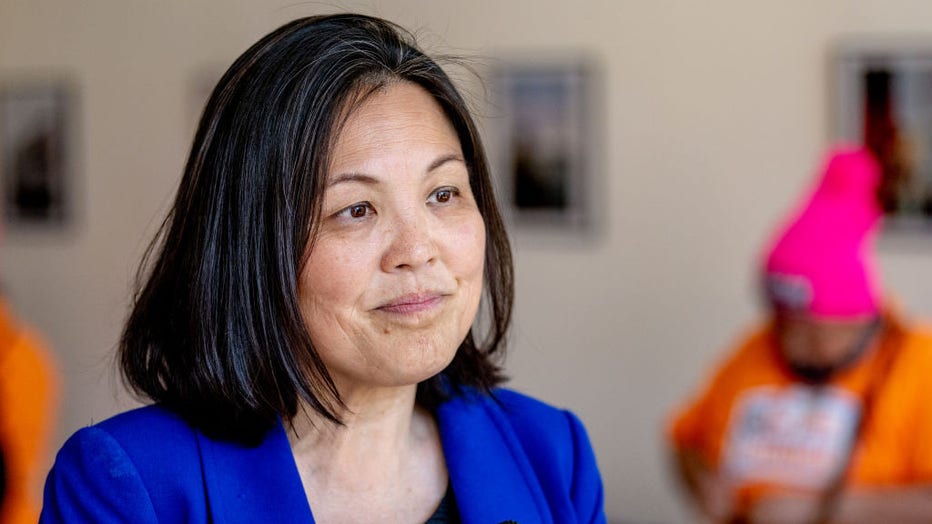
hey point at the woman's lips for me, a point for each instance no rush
(412, 303)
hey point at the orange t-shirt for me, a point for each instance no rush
(28, 396)
(762, 429)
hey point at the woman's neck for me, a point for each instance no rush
(381, 427)
(385, 462)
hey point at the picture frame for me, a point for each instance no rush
(36, 154)
(882, 99)
(542, 142)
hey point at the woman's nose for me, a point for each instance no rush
(410, 242)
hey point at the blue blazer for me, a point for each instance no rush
(512, 459)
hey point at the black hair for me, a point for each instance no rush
(216, 333)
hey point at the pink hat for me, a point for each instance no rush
(822, 262)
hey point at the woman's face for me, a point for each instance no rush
(393, 281)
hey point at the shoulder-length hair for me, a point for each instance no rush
(216, 333)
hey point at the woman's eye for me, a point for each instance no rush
(360, 210)
(444, 195)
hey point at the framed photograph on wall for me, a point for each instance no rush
(882, 98)
(542, 141)
(35, 154)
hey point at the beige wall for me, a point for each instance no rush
(714, 117)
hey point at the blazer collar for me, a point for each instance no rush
(492, 477)
(253, 484)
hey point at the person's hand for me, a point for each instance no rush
(712, 495)
(785, 507)
(716, 498)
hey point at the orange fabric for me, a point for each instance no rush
(28, 396)
(895, 447)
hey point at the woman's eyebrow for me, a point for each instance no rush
(452, 157)
(352, 177)
(371, 180)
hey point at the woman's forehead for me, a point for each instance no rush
(403, 118)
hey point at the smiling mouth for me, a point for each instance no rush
(413, 303)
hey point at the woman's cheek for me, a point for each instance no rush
(470, 237)
(336, 267)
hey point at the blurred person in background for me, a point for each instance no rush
(306, 328)
(824, 413)
(28, 407)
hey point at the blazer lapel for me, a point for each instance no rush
(492, 478)
(253, 484)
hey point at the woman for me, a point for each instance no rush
(305, 329)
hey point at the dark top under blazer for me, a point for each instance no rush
(512, 459)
